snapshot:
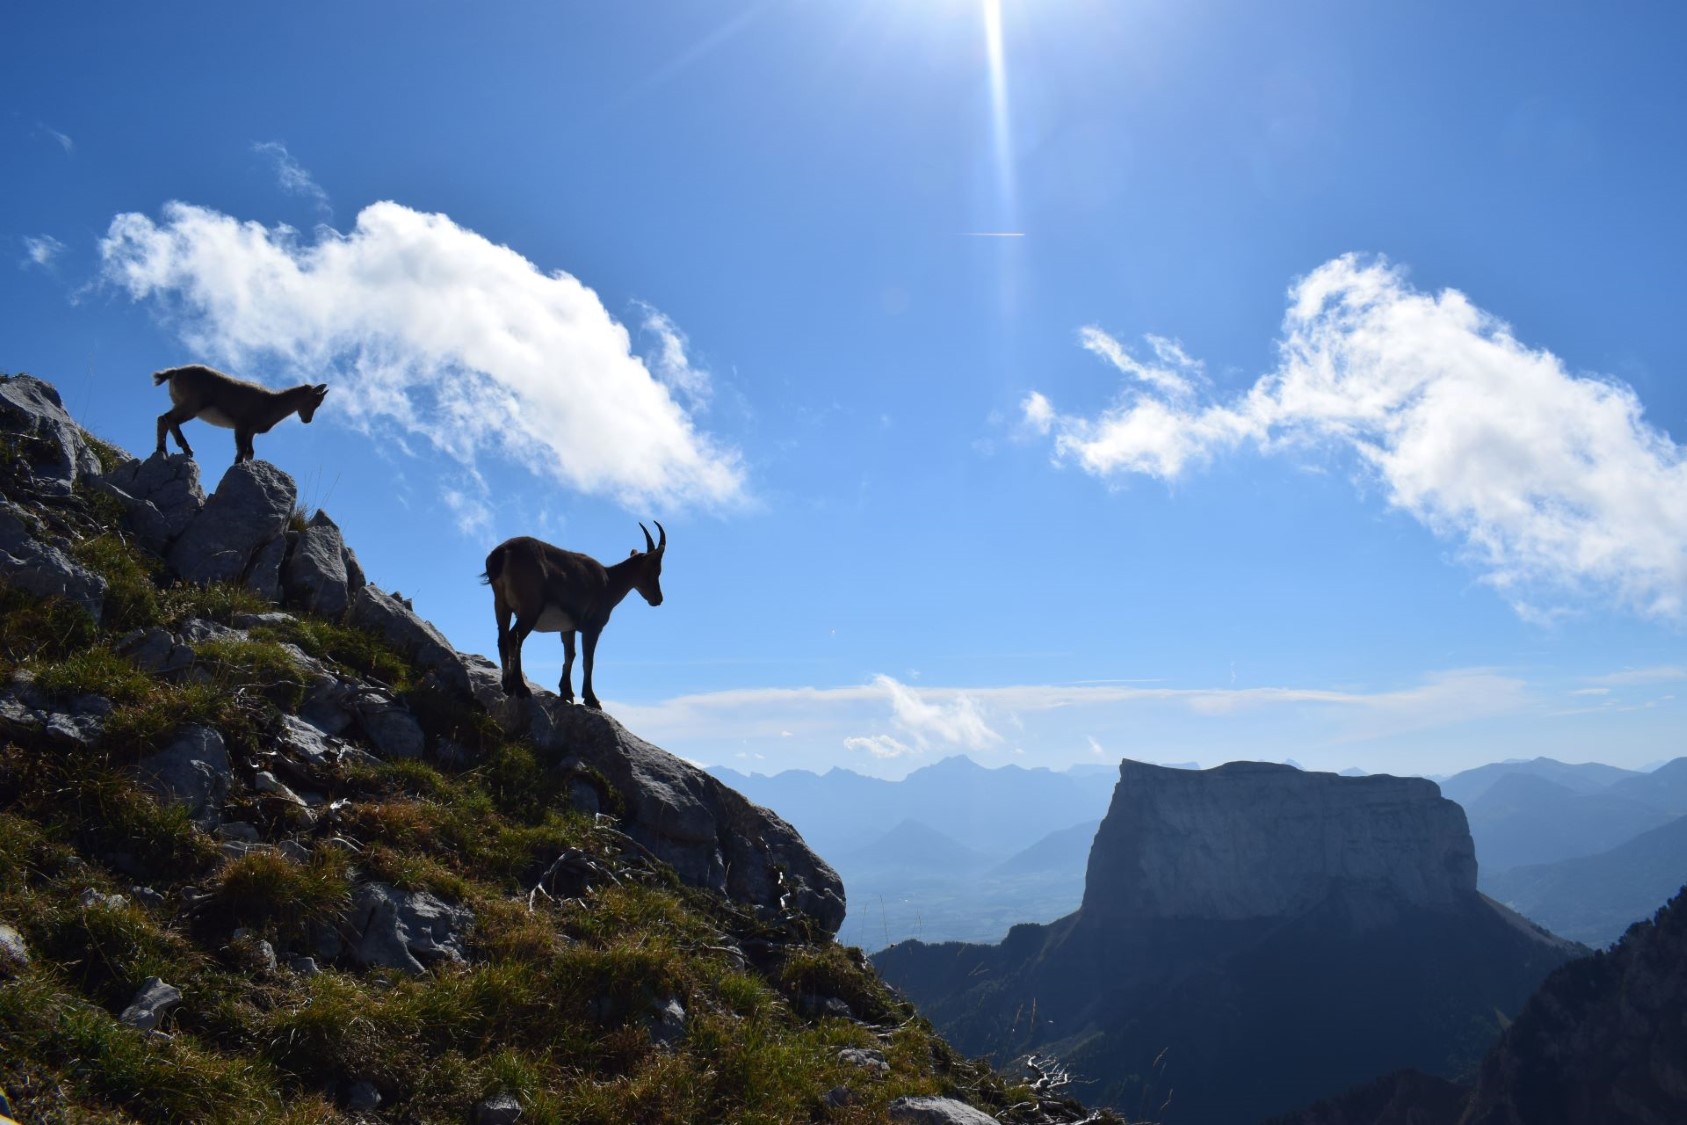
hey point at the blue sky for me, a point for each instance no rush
(1049, 382)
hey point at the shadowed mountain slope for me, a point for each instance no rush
(1250, 937)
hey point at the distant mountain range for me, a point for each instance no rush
(1593, 899)
(953, 852)
(996, 812)
(958, 852)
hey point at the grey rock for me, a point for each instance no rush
(14, 952)
(405, 929)
(192, 771)
(938, 1111)
(261, 952)
(839, 1096)
(156, 650)
(873, 1062)
(395, 622)
(390, 726)
(315, 577)
(362, 1097)
(198, 630)
(40, 568)
(150, 1003)
(163, 495)
(499, 1109)
(824, 1007)
(327, 705)
(238, 830)
(264, 577)
(266, 782)
(304, 966)
(300, 739)
(147, 897)
(1257, 840)
(667, 1022)
(18, 717)
(33, 422)
(254, 620)
(92, 898)
(90, 704)
(293, 850)
(250, 508)
(355, 579)
(709, 833)
(73, 731)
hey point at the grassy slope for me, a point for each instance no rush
(553, 1006)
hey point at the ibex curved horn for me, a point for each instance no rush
(649, 543)
(664, 532)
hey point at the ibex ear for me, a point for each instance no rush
(633, 554)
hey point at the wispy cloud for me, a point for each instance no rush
(1639, 677)
(64, 142)
(293, 177)
(1553, 483)
(928, 718)
(40, 250)
(431, 331)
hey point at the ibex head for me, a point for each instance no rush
(649, 581)
(312, 401)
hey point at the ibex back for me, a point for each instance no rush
(234, 404)
(546, 589)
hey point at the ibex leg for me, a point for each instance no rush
(566, 687)
(586, 693)
(171, 422)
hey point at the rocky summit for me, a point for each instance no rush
(1256, 840)
(271, 849)
(1251, 936)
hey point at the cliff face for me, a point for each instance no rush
(1254, 840)
(1251, 937)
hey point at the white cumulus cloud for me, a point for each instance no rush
(956, 721)
(429, 329)
(1553, 483)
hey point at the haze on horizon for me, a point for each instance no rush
(1325, 404)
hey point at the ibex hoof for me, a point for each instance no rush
(593, 704)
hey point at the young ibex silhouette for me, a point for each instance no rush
(234, 404)
(549, 590)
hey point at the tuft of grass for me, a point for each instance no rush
(219, 602)
(37, 628)
(94, 671)
(95, 1059)
(262, 668)
(351, 648)
(131, 594)
(110, 456)
(270, 893)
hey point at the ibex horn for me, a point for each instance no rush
(664, 532)
(649, 544)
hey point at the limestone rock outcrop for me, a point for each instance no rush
(1258, 840)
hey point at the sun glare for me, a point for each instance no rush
(999, 124)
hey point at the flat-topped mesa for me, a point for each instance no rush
(1256, 840)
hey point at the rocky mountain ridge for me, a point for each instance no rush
(272, 850)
